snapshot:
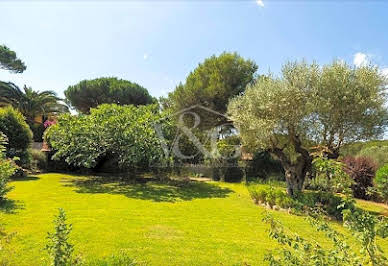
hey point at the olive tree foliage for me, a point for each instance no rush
(9, 60)
(125, 134)
(308, 106)
(212, 84)
(91, 93)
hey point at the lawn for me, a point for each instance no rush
(201, 223)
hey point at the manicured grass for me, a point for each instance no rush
(157, 224)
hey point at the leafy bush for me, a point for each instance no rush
(362, 170)
(19, 135)
(329, 176)
(302, 202)
(7, 169)
(327, 201)
(300, 251)
(381, 182)
(58, 246)
(39, 159)
(271, 196)
(121, 136)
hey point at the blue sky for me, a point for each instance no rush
(157, 43)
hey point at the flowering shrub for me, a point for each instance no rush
(49, 123)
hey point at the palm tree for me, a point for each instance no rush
(32, 104)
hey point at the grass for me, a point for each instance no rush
(179, 223)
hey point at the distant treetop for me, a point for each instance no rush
(91, 93)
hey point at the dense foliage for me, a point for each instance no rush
(9, 60)
(123, 136)
(91, 93)
(7, 168)
(212, 84)
(329, 175)
(19, 135)
(381, 182)
(362, 170)
(310, 105)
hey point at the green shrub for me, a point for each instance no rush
(7, 169)
(39, 159)
(125, 134)
(329, 175)
(258, 193)
(270, 195)
(19, 135)
(303, 202)
(58, 246)
(327, 201)
(381, 181)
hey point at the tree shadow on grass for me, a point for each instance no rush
(10, 206)
(150, 189)
(25, 178)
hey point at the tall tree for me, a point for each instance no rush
(29, 102)
(310, 106)
(212, 84)
(9, 60)
(91, 93)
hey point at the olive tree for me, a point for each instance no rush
(310, 106)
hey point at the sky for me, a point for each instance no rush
(157, 43)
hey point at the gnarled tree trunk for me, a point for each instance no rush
(295, 172)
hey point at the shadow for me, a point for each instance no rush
(10, 206)
(24, 178)
(149, 188)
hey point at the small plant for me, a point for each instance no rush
(58, 246)
(381, 182)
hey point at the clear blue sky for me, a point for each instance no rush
(157, 43)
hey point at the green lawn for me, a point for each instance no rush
(177, 224)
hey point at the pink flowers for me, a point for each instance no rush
(48, 123)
